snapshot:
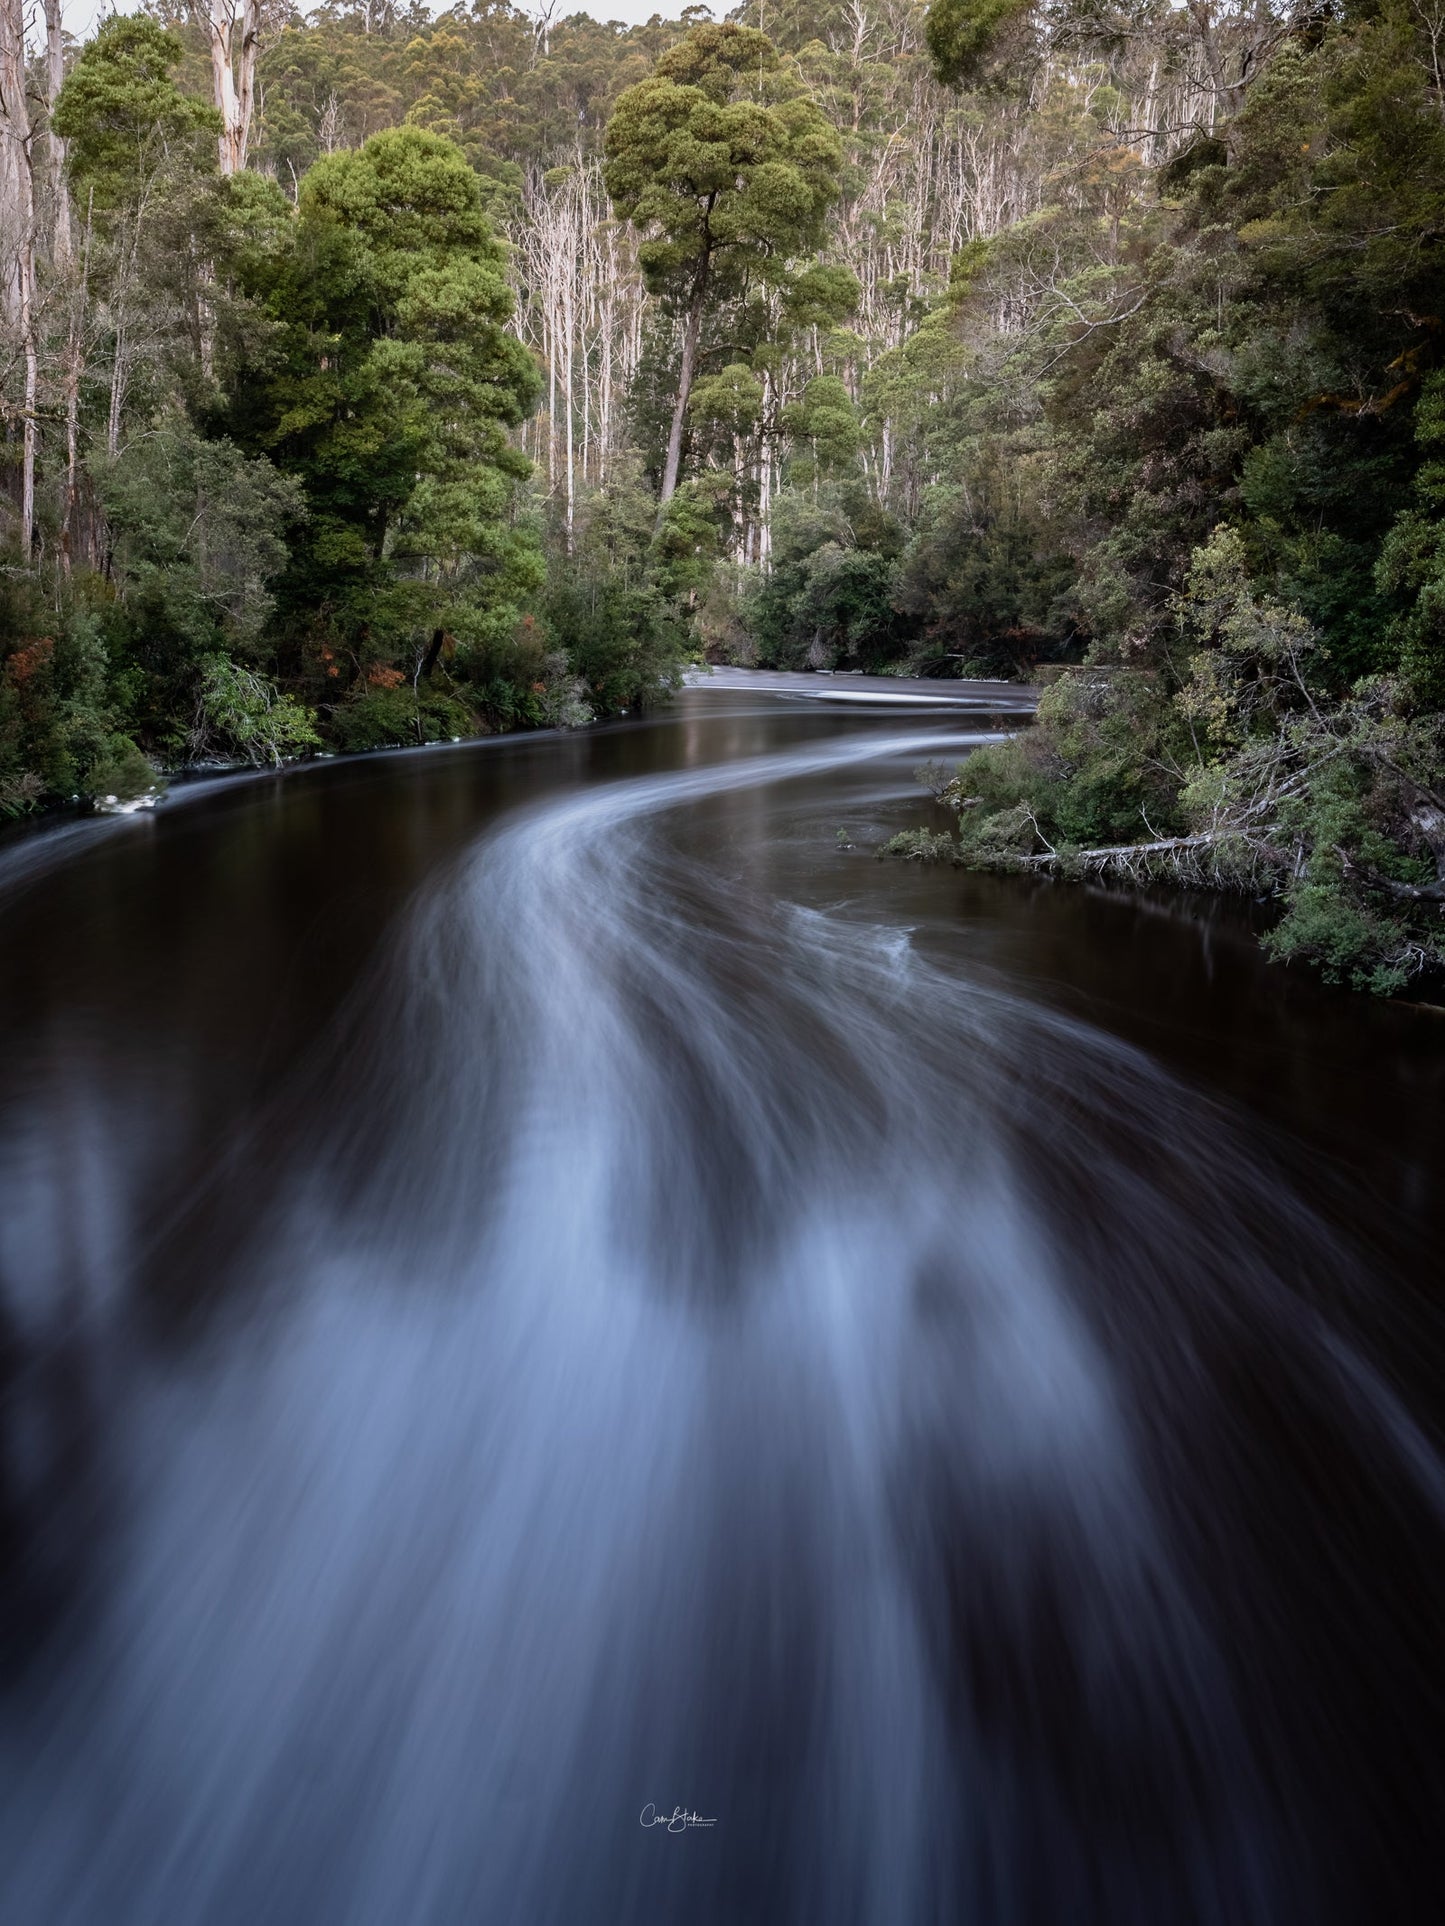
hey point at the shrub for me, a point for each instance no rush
(243, 713)
(380, 718)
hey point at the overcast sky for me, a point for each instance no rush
(81, 15)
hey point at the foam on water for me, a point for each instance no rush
(711, 1357)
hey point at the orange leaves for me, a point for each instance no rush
(24, 663)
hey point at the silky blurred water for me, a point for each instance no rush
(539, 1287)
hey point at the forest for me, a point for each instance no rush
(372, 378)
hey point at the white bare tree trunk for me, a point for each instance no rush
(580, 300)
(118, 371)
(569, 330)
(233, 75)
(54, 81)
(765, 476)
(17, 242)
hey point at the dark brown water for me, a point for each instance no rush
(539, 1287)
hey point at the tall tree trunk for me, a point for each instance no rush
(765, 483)
(17, 240)
(54, 81)
(74, 361)
(246, 77)
(607, 327)
(569, 320)
(587, 279)
(549, 355)
(223, 81)
(74, 369)
(1226, 95)
(117, 392)
(691, 333)
(233, 83)
(32, 359)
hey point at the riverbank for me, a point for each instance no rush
(1239, 780)
(189, 781)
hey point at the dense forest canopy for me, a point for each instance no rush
(371, 377)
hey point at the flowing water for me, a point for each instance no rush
(540, 1286)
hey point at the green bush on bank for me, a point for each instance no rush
(1239, 771)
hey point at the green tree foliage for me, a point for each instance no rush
(242, 714)
(278, 456)
(964, 35)
(382, 376)
(828, 601)
(58, 731)
(1241, 772)
(198, 534)
(1410, 572)
(617, 604)
(728, 169)
(507, 94)
(1229, 451)
(125, 119)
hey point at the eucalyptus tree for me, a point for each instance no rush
(1225, 44)
(141, 158)
(728, 171)
(235, 32)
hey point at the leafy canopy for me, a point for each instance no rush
(721, 161)
(963, 35)
(388, 382)
(124, 116)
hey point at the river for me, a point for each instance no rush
(544, 1289)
